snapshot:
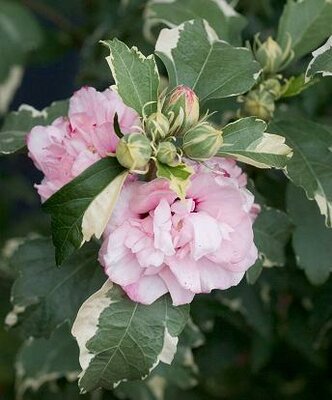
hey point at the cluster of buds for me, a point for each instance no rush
(260, 102)
(174, 130)
(272, 56)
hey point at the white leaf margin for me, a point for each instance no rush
(101, 208)
(86, 326)
(321, 50)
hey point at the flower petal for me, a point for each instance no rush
(147, 289)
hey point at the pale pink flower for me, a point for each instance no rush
(71, 144)
(155, 243)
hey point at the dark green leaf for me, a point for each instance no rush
(136, 76)
(69, 206)
(45, 360)
(307, 22)
(311, 238)
(18, 123)
(227, 23)
(311, 165)
(122, 340)
(195, 56)
(45, 296)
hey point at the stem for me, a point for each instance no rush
(152, 172)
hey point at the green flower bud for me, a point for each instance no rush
(271, 56)
(157, 126)
(167, 153)
(272, 86)
(202, 142)
(134, 151)
(181, 107)
(259, 103)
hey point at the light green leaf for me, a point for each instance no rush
(296, 85)
(76, 209)
(122, 340)
(18, 123)
(311, 164)
(321, 62)
(19, 34)
(311, 238)
(246, 141)
(195, 56)
(178, 176)
(44, 296)
(136, 76)
(227, 23)
(45, 360)
(307, 22)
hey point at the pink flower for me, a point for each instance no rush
(156, 243)
(71, 144)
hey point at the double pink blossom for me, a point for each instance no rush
(71, 144)
(156, 243)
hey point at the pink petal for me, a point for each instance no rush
(178, 293)
(162, 224)
(147, 289)
(207, 237)
(186, 271)
(215, 277)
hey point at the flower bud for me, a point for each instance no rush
(202, 142)
(167, 153)
(259, 103)
(272, 86)
(157, 126)
(181, 107)
(134, 151)
(270, 56)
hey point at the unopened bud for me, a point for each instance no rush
(134, 151)
(259, 103)
(181, 107)
(272, 86)
(202, 142)
(167, 153)
(157, 126)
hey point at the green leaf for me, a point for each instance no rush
(311, 239)
(136, 76)
(19, 34)
(195, 56)
(122, 340)
(307, 22)
(227, 23)
(321, 62)
(44, 296)
(18, 123)
(311, 164)
(83, 207)
(272, 230)
(182, 373)
(247, 301)
(296, 85)
(46, 360)
(178, 176)
(246, 141)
